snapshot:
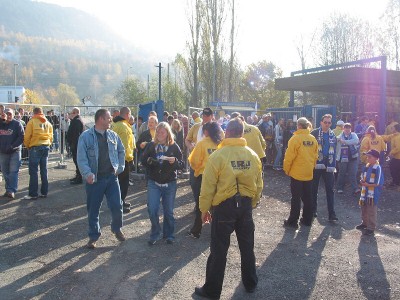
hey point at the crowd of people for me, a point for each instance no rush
(226, 157)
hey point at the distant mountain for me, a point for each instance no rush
(53, 45)
(48, 20)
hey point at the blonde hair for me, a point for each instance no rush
(170, 135)
(174, 122)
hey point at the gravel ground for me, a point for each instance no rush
(43, 254)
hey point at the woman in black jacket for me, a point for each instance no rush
(162, 159)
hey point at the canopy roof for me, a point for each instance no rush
(355, 81)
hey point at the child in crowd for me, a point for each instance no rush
(371, 183)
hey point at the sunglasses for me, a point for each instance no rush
(326, 122)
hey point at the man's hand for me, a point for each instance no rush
(206, 217)
(90, 179)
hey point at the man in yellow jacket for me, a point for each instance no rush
(38, 138)
(253, 137)
(124, 130)
(231, 186)
(300, 158)
(394, 154)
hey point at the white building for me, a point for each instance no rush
(8, 94)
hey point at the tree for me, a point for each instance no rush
(195, 22)
(345, 39)
(131, 92)
(391, 32)
(66, 96)
(33, 97)
(232, 53)
(258, 85)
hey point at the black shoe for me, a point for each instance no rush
(10, 195)
(368, 232)
(193, 235)
(250, 291)
(361, 227)
(91, 244)
(119, 235)
(199, 291)
(126, 210)
(333, 218)
(304, 223)
(126, 204)
(286, 223)
(170, 241)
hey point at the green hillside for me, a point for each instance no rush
(55, 45)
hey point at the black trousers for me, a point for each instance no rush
(74, 151)
(301, 192)
(394, 166)
(123, 179)
(229, 216)
(196, 186)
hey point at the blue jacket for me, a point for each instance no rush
(11, 136)
(88, 153)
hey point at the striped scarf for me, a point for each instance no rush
(370, 174)
(323, 162)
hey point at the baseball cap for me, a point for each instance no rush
(373, 153)
(207, 111)
(340, 123)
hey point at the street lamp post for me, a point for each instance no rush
(15, 81)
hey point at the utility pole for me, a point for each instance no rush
(159, 80)
(15, 82)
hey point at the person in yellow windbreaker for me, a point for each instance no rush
(231, 186)
(394, 154)
(38, 138)
(299, 162)
(123, 128)
(198, 159)
(253, 137)
(372, 141)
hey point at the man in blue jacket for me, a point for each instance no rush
(11, 139)
(101, 157)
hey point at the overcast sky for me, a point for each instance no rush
(267, 30)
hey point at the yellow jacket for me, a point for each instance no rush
(192, 133)
(38, 132)
(199, 156)
(368, 143)
(337, 131)
(301, 155)
(394, 140)
(232, 162)
(254, 139)
(124, 131)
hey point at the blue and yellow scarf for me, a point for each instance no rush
(328, 163)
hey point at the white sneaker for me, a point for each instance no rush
(340, 191)
(27, 197)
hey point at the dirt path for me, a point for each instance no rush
(43, 254)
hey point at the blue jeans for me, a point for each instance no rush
(167, 195)
(278, 157)
(9, 165)
(38, 156)
(329, 180)
(55, 139)
(348, 172)
(108, 186)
